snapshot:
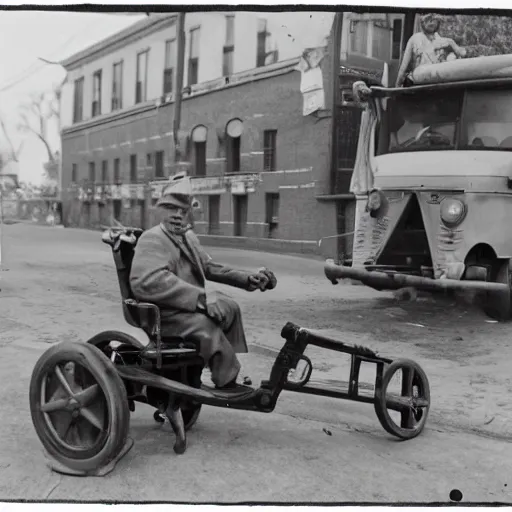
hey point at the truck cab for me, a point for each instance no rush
(438, 210)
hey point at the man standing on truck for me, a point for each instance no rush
(427, 47)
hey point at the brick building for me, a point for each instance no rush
(262, 167)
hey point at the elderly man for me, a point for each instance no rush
(170, 269)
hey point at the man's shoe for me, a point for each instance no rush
(230, 385)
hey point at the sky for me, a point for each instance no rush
(51, 36)
(28, 35)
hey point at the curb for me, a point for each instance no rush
(10, 222)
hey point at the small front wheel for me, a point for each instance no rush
(412, 403)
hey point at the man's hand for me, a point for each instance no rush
(271, 278)
(264, 279)
(213, 310)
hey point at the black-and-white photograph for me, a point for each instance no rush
(255, 254)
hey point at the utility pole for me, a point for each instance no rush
(180, 29)
(335, 63)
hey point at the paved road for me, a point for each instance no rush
(59, 284)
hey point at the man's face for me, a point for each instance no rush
(173, 216)
(431, 26)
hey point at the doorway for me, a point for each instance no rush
(240, 214)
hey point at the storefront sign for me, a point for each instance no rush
(116, 192)
(125, 191)
(311, 84)
(136, 191)
(238, 184)
(156, 189)
(211, 185)
(238, 188)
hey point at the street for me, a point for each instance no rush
(60, 284)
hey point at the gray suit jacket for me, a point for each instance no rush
(165, 272)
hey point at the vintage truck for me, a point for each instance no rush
(436, 212)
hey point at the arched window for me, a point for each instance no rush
(199, 137)
(234, 130)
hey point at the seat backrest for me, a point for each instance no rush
(123, 243)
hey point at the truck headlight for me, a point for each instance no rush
(453, 211)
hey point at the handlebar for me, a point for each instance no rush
(114, 235)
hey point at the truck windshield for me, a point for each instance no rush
(447, 120)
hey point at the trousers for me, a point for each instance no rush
(218, 343)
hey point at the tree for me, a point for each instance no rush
(35, 116)
(480, 35)
(10, 154)
(37, 113)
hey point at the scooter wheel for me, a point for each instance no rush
(412, 404)
(157, 416)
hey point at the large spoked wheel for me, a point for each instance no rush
(411, 404)
(79, 406)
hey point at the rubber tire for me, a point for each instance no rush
(113, 390)
(380, 400)
(102, 339)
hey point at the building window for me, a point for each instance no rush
(159, 164)
(117, 86)
(199, 137)
(169, 65)
(234, 131)
(96, 93)
(74, 173)
(78, 105)
(104, 171)
(193, 60)
(261, 49)
(117, 209)
(133, 168)
(359, 37)
(239, 214)
(213, 214)
(142, 77)
(269, 150)
(229, 46)
(117, 170)
(396, 49)
(272, 213)
(92, 172)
